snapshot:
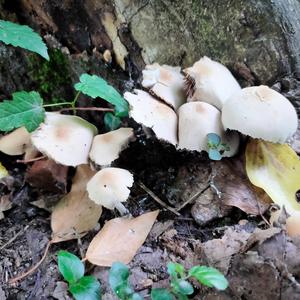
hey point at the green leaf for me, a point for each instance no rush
(111, 121)
(210, 277)
(161, 294)
(135, 296)
(26, 109)
(22, 36)
(214, 154)
(213, 139)
(70, 266)
(95, 86)
(87, 288)
(184, 287)
(175, 269)
(118, 280)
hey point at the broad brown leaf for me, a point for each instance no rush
(75, 214)
(120, 239)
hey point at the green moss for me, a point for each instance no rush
(50, 77)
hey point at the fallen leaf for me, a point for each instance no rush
(75, 214)
(48, 175)
(5, 204)
(276, 169)
(3, 171)
(119, 239)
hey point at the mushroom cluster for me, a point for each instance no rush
(186, 110)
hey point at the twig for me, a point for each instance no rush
(173, 210)
(30, 160)
(188, 201)
(14, 237)
(32, 269)
(87, 108)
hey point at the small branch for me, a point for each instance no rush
(31, 270)
(158, 200)
(30, 160)
(87, 108)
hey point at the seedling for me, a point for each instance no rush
(215, 147)
(80, 286)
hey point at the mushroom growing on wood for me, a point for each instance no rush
(262, 113)
(210, 81)
(196, 121)
(106, 147)
(109, 187)
(65, 139)
(165, 82)
(150, 112)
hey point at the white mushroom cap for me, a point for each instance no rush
(196, 121)
(109, 187)
(211, 82)
(150, 112)
(65, 139)
(166, 82)
(260, 112)
(106, 147)
(16, 142)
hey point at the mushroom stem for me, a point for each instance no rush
(121, 208)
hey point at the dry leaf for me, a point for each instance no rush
(75, 214)
(120, 239)
(5, 204)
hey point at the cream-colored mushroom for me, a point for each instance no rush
(211, 82)
(165, 82)
(65, 139)
(150, 112)
(106, 147)
(196, 121)
(262, 113)
(109, 187)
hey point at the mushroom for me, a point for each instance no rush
(65, 139)
(196, 121)
(210, 81)
(106, 147)
(150, 112)
(16, 143)
(109, 187)
(262, 113)
(165, 82)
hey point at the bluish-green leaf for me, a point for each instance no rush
(161, 294)
(135, 296)
(111, 121)
(22, 36)
(214, 154)
(70, 266)
(87, 288)
(175, 269)
(213, 139)
(210, 277)
(94, 86)
(26, 109)
(185, 288)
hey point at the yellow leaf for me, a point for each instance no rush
(276, 169)
(3, 171)
(119, 239)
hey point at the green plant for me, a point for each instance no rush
(215, 147)
(72, 269)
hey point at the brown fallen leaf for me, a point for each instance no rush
(5, 204)
(119, 239)
(75, 214)
(48, 175)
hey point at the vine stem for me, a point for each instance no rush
(87, 108)
(75, 99)
(58, 104)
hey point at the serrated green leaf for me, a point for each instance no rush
(210, 277)
(94, 86)
(213, 139)
(22, 36)
(70, 266)
(87, 288)
(26, 109)
(161, 294)
(111, 121)
(214, 154)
